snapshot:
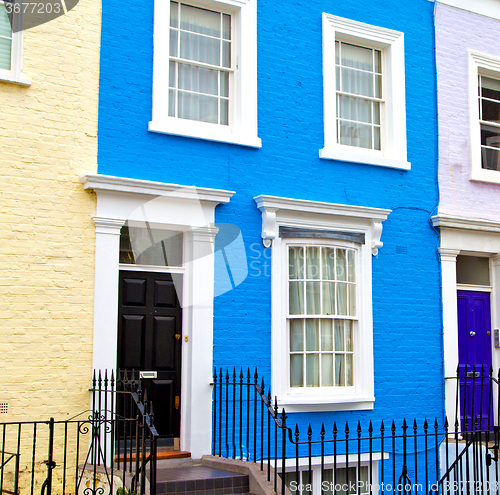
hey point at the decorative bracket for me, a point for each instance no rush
(269, 229)
(376, 235)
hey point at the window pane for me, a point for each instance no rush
(348, 370)
(490, 136)
(376, 112)
(198, 107)
(312, 335)
(337, 52)
(200, 48)
(171, 75)
(198, 79)
(226, 54)
(357, 57)
(339, 370)
(378, 61)
(350, 263)
(224, 84)
(326, 335)
(296, 336)
(5, 44)
(328, 298)
(490, 159)
(341, 293)
(226, 27)
(490, 88)
(341, 265)
(327, 370)
(491, 111)
(339, 335)
(348, 336)
(173, 43)
(376, 138)
(328, 262)
(312, 298)
(224, 112)
(378, 87)
(326, 489)
(174, 14)
(354, 134)
(312, 262)
(355, 109)
(295, 262)
(352, 300)
(296, 298)
(200, 20)
(296, 370)
(357, 82)
(171, 102)
(312, 370)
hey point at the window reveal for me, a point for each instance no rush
(200, 64)
(358, 76)
(321, 315)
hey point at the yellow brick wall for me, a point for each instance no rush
(48, 138)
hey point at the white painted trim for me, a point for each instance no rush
(488, 8)
(15, 74)
(242, 127)
(479, 63)
(393, 110)
(277, 211)
(152, 268)
(454, 222)
(330, 460)
(475, 288)
(350, 155)
(121, 199)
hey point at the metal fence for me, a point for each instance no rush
(392, 457)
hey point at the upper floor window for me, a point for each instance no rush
(11, 43)
(211, 74)
(359, 95)
(364, 93)
(484, 111)
(200, 64)
(489, 120)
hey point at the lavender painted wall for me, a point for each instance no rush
(456, 32)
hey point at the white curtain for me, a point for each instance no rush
(5, 39)
(202, 38)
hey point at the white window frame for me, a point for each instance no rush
(393, 113)
(242, 128)
(485, 65)
(15, 74)
(278, 212)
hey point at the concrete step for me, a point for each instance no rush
(200, 480)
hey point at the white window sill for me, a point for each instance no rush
(324, 402)
(355, 156)
(9, 78)
(207, 132)
(484, 175)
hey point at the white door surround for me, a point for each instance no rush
(468, 237)
(185, 208)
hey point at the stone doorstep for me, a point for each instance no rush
(258, 483)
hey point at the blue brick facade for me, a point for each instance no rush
(407, 327)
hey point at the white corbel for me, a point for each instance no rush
(268, 225)
(376, 235)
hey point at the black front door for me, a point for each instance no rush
(149, 339)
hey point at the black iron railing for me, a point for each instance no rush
(476, 397)
(391, 457)
(103, 451)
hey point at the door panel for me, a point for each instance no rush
(150, 325)
(474, 349)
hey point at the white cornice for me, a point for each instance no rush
(452, 222)
(98, 182)
(272, 206)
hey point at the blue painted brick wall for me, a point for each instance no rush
(406, 287)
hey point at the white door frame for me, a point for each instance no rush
(185, 208)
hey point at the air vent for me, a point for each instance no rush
(4, 407)
(401, 250)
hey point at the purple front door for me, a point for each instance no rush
(474, 349)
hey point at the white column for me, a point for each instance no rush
(107, 255)
(197, 351)
(450, 326)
